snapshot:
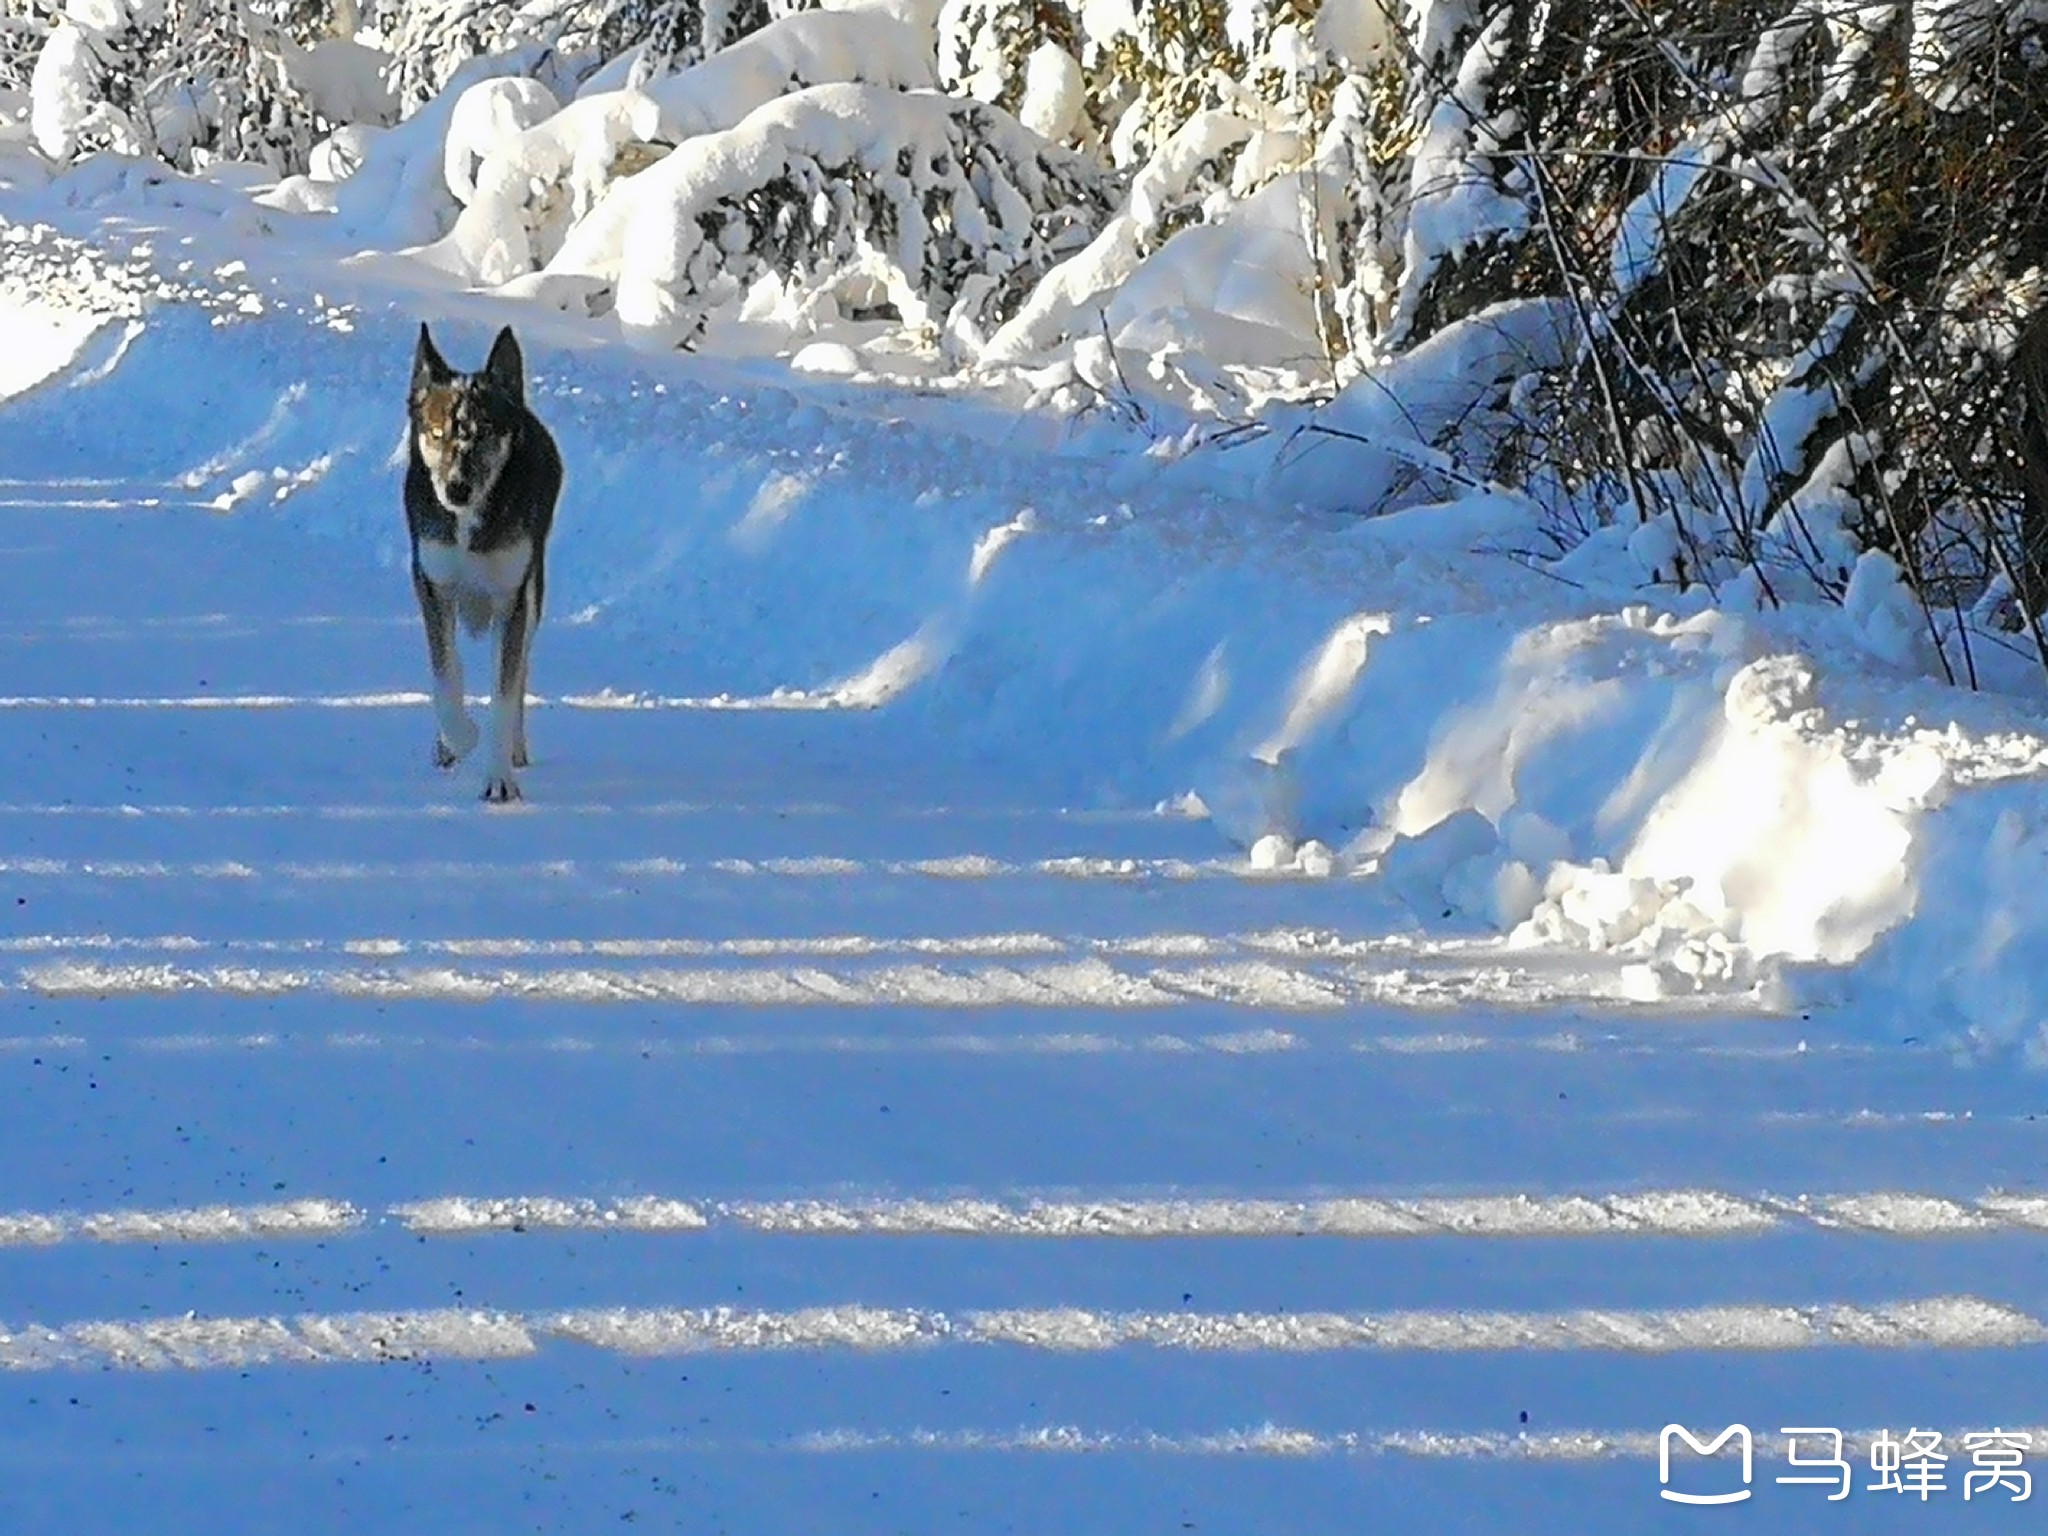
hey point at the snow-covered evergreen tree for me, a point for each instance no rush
(430, 39)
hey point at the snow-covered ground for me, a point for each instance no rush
(1046, 980)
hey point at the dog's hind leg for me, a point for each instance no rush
(508, 701)
(456, 733)
(532, 592)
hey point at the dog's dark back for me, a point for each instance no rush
(465, 423)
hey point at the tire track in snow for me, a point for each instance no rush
(1092, 983)
(1267, 1439)
(1641, 1213)
(966, 866)
(1025, 1043)
(1075, 1042)
(606, 700)
(232, 1343)
(1285, 942)
(628, 810)
(112, 629)
(195, 1224)
(1647, 1213)
(1562, 1445)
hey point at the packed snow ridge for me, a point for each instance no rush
(243, 1343)
(1645, 1215)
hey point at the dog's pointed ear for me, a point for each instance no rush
(428, 366)
(505, 368)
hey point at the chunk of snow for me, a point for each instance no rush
(63, 91)
(804, 49)
(487, 118)
(338, 156)
(1054, 93)
(1315, 859)
(1886, 617)
(1272, 852)
(827, 357)
(1417, 867)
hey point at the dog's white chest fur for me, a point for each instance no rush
(457, 569)
(483, 586)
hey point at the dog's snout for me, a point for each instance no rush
(458, 491)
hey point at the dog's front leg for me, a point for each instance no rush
(508, 699)
(456, 733)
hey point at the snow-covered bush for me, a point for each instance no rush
(526, 171)
(1794, 269)
(258, 82)
(944, 211)
(91, 86)
(1234, 268)
(1166, 196)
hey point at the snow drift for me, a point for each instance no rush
(1724, 805)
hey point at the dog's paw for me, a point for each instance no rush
(448, 753)
(501, 789)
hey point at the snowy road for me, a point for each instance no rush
(769, 1127)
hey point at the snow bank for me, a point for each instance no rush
(1973, 962)
(1721, 817)
(1383, 439)
(1720, 805)
(42, 339)
(1682, 793)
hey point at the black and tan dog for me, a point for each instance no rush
(480, 494)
